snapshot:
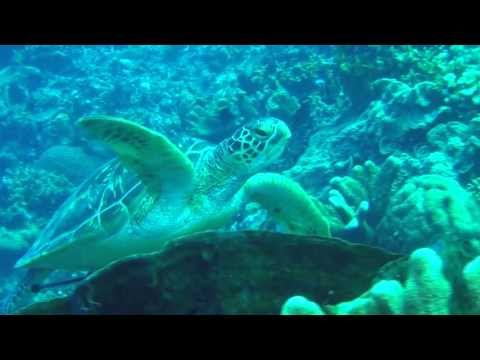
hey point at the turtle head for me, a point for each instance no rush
(257, 144)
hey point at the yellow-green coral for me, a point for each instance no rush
(384, 298)
(426, 291)
(366, 182)
(352, 190)
(299, 305)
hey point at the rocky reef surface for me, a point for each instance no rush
(224, 273)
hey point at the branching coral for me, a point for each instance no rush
(366, 183)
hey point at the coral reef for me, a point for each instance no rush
(401, 114)
(368, 190)
(401, 210)
(453, 68)
(425, 291)
(282, 104)
(33, 195)
(386, 139)
(432, 210)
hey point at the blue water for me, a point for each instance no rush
(345, 106)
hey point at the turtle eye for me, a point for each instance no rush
(260, 132)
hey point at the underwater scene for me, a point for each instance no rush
(235, 179)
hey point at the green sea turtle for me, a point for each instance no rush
(154, 193)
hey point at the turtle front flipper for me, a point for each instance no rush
(161, 166)
(287, 202)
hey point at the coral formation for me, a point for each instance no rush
(425, 291)
(429, 210)
(33, 194)
(299, 305)
(400, 112)
(384, 298)
(247, 272)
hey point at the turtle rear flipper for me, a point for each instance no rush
(287, 202)
(21, 294)
(161, 166)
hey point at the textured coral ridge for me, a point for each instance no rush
(244, 272)
(426, 291)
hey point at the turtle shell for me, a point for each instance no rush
(97, 209)
(100, 207)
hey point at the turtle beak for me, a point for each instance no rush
(279, 140)
(284, 130)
